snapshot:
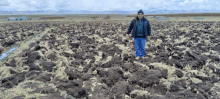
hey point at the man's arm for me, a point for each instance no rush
(148, 29)
(130, 28)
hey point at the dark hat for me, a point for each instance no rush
(140, 11)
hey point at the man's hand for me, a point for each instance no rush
(125, 34)
(148, 38)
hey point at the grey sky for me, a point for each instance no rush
(108, 5)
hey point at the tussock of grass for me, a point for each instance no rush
(140, 92)
(5, 71)
(88, 61)
(145, 66)
(125, 50)
(19, 90)
(171, 70)
(98, 57)
(107, 59)
(196, 80)
(60, 71)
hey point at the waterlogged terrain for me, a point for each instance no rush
(161, 18)
(94, 60)
(3, 55)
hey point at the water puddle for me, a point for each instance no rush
(15, 19)
(198, 18)
(4, 55)
(161, 19)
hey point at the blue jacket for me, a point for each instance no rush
(133, 25)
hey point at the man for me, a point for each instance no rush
(141, 30)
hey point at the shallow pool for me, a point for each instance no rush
(4, 55)
(198, 18)
(161, 19)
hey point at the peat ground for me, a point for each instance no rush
(93, 60)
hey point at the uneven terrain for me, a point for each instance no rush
(95, 60)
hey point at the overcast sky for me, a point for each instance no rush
(108, 5)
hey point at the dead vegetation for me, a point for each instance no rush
(94, 60)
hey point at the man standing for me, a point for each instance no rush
(141, 30)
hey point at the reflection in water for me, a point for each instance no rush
(198, 18)
(4, 55)
(7, 53)
(161, 19)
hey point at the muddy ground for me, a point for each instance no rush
(93, 60)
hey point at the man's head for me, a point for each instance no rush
(140, 14)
